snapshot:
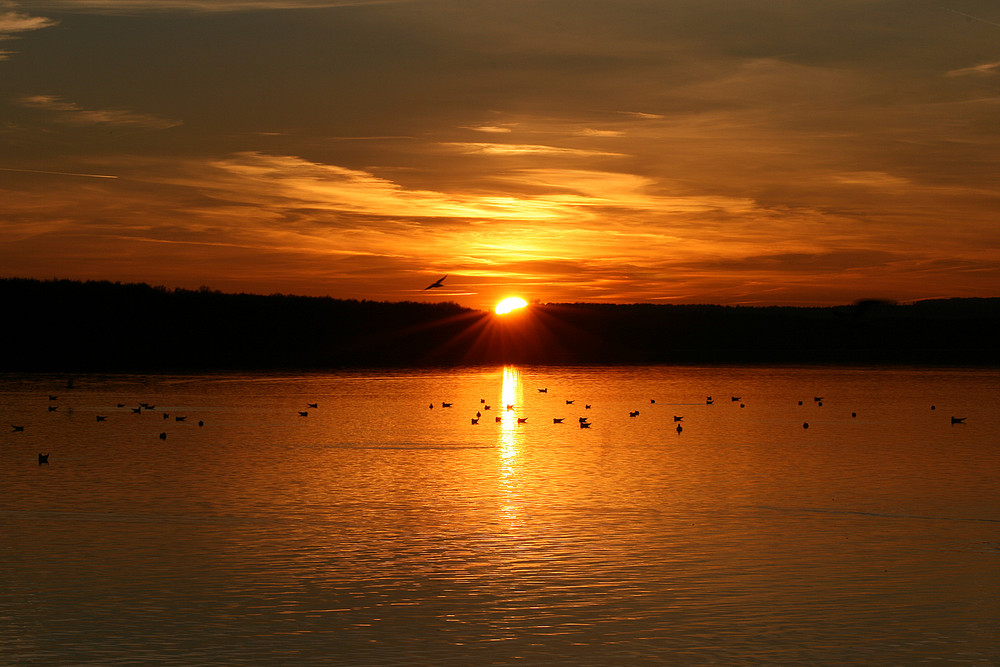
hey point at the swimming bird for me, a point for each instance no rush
(478, 414)
(557, 420)
(584, 425)
(43, 458)
(543, 391)
(476, 420)
(709, 401)
(570, 402)
(486, 407)
(677, 419)
(312, 405)
(53, 408)
(510, 406)
(958, 420)
(17, 428)
(437, 283)
(482, 400)
(179, 419)
(201, 423)
(432, 406)
(817, 398)
(735, 398)
(121, 405)
(633, 414)
(652, 400)
(583, 420)
(521, 420)
(679, 428)
(53, 398)
(137, 410)
(166, 415)
(163, 436)
(303, 414)
(498, 420)
(446, 405)
(586, 407)
(101, 418)
(805, 424)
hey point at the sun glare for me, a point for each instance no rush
(509, 304)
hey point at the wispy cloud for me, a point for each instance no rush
(985, 69)
(13, 22)
(524, 149)
(74, 114)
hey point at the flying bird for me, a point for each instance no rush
(437, 283)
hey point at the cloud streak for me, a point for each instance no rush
(73, 114)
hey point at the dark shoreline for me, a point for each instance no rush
(71, 326)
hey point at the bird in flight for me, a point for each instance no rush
(437, 283)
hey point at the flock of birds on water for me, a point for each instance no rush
(584, 422)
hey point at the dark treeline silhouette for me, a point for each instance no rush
(63, 325)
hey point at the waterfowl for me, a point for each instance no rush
(543, 391)
(521, 420)
(958, 420)
(312, 405)
(303, 414)
(17, 428)
(446, 405)
(43, 458)
(570, 402)
(679, 428)
(475, 420)
(101, 418)
(163, 436)
(677, 419)
(557, 420)
(584, 425)
(179, 419)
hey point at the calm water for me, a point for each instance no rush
(380, 531)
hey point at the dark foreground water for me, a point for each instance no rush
(377, 530)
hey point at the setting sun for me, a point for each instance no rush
(509, 304)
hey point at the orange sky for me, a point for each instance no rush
(710, 151)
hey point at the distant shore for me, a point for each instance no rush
(62, 325)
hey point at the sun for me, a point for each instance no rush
(509, 304)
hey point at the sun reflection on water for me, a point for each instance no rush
(509, 440)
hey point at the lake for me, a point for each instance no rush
(382, 528)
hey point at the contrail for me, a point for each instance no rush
(972, 18)
(56, 173)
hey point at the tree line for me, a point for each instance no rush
(64, 325)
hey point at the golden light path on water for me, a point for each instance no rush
(509, 441)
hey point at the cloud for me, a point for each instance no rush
(13, 22)
(525, 149)
(489, 129)
(73, 114)
(985, 69)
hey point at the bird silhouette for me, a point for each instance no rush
(437, 283)
(312, 405)
(557, 420)
(43, 458)
(958, 420)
